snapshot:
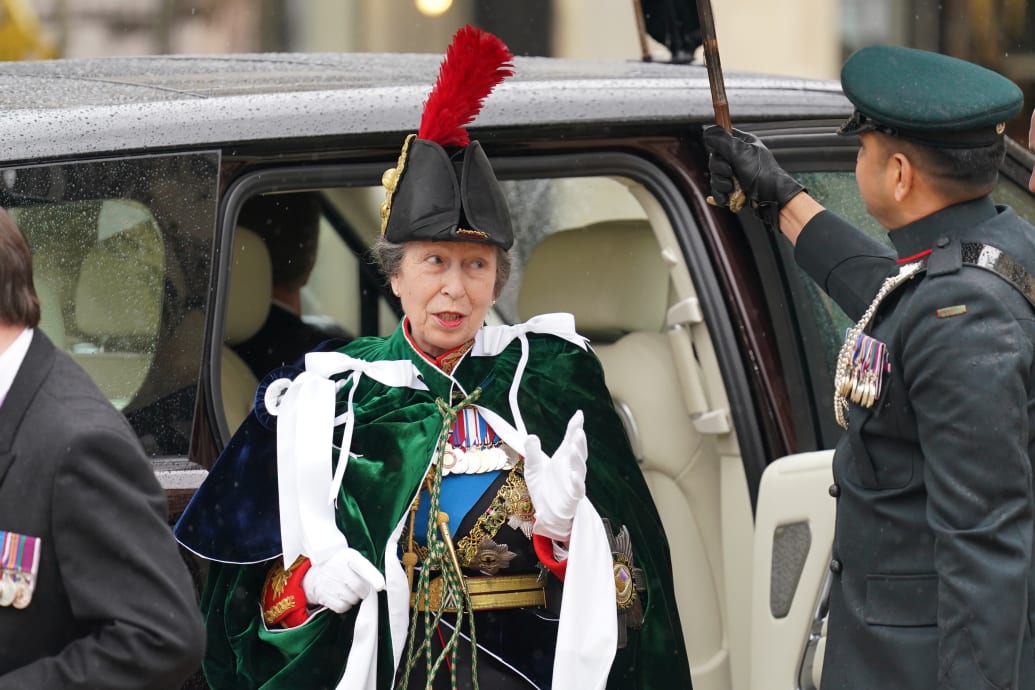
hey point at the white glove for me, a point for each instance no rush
(342, 581)
(557, 484)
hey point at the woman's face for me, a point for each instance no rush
(446, 290)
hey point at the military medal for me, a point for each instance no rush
(474, 448)
(19, 562)
(870, 362)
(22, 595)
(449, 459)
(629, 582)
(863, 361)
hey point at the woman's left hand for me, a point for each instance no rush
(556, 484)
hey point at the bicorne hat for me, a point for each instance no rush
(443, 187)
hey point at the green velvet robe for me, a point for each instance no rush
(396, 429)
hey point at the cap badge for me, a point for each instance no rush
(1000, 128)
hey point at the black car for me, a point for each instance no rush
(128, 176)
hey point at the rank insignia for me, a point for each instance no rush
(949, 312)
(19, 563)
(629, 582)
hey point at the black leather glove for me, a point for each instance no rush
(739, 154)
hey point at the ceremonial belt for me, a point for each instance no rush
(1002, 264)
(489, 593)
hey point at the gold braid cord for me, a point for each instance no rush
(390, 180)
(842, 375)
(441, 557)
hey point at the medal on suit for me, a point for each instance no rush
(19, 563)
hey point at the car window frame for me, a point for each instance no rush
(654, 179)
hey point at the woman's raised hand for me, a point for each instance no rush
(557, 483)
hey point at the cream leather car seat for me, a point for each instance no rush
(118, 310)
(612, 277)
(52, 320)
(248, 304)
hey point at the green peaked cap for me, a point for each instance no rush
(927, 97)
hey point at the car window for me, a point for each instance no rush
(547, 206)
(1015, 196)
(120, 263)
(344, 295)
(340, 283)
(838, 192)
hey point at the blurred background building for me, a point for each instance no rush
(794, 37)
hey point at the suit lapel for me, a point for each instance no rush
(39, 359)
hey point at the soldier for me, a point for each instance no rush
(935, 384)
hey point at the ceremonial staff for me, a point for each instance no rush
(641, 30)
(710, 45)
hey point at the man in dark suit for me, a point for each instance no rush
(932, 578)
(93, 592)
(289, 224)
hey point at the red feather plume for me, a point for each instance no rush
(476, 61)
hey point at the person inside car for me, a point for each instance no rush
(289, 225)
(453, 504)
(935, 385)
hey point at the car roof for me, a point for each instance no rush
(60, 108)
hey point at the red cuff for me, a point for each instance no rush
(544, 550)
(283, 600)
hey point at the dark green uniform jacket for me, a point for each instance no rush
(932, 554)
(396, 429)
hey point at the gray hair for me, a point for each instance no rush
(389, 256)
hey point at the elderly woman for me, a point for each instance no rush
(451, 505)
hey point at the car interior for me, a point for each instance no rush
(248, 303)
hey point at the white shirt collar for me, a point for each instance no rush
(11, 361)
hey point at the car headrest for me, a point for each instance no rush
(52, 321)
(251, 286)
(119, 290)
(610, 275)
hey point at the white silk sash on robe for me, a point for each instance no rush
(587, 635)
(492, 340)
(304, 409)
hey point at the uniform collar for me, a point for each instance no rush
(918, 237)
(445, 362)
(440, 380)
